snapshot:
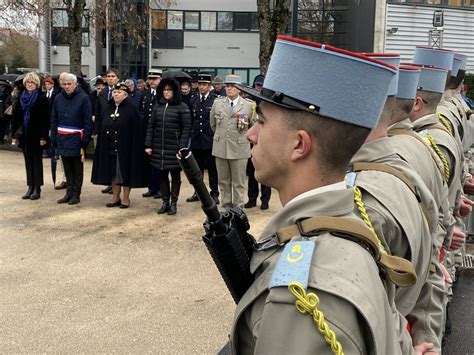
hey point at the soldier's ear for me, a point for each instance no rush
(301, 145)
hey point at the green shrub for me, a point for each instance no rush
(469, 81)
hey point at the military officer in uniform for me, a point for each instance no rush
(202, 134)
(337, 282)
(230, 118)
(147, 103)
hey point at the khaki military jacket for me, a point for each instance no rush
(342, 274)
(452, 153)
(455, 101)
(424, 161)
(401, 225)
(230, 141)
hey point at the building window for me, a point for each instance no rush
(225, 21)
(241, 21)
(170, 39)
(191, 20)
(60, 28)
(253, 21)
(175, 20)
(208, 21)
(158, 20)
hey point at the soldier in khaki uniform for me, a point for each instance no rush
(316, 137)
(405, 226)
(231, 117)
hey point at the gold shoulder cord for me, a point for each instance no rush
(441, 156)
(308, 303)
(365, 216)
(445, 122)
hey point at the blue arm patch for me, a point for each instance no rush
(350, 179)
(294, 264)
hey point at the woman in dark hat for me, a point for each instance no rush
(118, 158)
(168, 130)
(30, 127)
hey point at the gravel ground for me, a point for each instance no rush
(90, 279)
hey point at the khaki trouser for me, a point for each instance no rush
(231, 174)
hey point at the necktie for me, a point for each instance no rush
(153, 92)
(202, 99)
(231, 104)
(109, 96)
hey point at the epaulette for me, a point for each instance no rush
(294, 264)
(220, 97)
(249, 100)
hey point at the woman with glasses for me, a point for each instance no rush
(119, 157)
(30, 127)
(168, 131)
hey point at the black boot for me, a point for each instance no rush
(28, 193)
(66, 198)
(74, 199)
(173, 208)
(165, 207)
(36, 193)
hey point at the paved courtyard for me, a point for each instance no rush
(90, 279)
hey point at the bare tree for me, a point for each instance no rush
(107, 15)
(272, 22)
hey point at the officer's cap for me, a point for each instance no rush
(154, 73)
(232, 79)
(390, 58)
(259, 79)
(204, 78)
(122, 86)
(408, 77)
(332, 82)
(99, 81)
(436, 57)
(459, 63)
(432, 79)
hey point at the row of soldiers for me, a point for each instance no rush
(369, 254)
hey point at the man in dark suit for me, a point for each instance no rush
(147, 102)
(202, 134)
(112, 78)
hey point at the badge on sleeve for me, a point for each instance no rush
(294, 264)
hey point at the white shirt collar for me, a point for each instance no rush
(332, 187)
(233, 101)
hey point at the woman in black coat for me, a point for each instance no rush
(30, 127)
(168, 131)
(119, 157)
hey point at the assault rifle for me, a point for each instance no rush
(226, 237)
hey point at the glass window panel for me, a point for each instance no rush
(85, 20)
(244, 75)
(175, 20)
(175, 39)
(224, 21)
(85, 39)
(59, 36)
(60, 18)
(254, 21)
(241, 21)
(455, 2)
(252, 74)
(468, 2)
(158, 38)
(191, 20)
(158, 20)
(208, 21)
(223, 72)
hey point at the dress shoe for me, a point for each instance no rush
(113, 204)
(250, 204)
(193, 198)
(36, 193)
(107, 190)
(65, 199)
(157, 195)
(28, 193)
(74, 200)
(264, 206)
(61, 186)
(165, 207)
(173, 208)
(122, 206)
(148, 194)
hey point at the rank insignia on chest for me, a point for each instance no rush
(294, 264)
(243, 121)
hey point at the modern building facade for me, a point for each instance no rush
(221, 37)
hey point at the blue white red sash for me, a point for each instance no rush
(67, 130)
